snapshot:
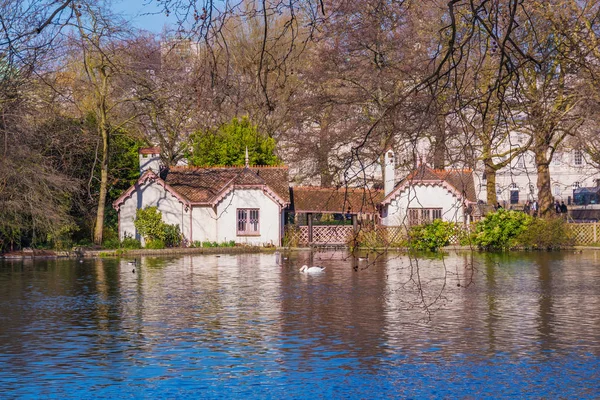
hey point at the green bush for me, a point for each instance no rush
(171, 235)
(431, 236)
(499, 230)
(112, 243)
(148, 222)
(130, 242)
(155, 244)
(549, 234)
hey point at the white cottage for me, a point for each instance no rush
(217, 204)
(427, 194)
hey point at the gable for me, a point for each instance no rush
(458, 182)
(149, 177)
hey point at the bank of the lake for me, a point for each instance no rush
(180, 251)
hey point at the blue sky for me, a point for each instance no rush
(143, 14)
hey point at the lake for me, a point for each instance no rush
(251, 326)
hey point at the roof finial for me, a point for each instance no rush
(247, 161)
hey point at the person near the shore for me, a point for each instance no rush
(557, 207)
(563, 208)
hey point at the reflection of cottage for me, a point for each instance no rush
(211, 204)
(427, 194)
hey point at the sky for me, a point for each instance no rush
(143, 14)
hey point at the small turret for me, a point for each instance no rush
(149, 159)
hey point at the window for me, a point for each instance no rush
(521, 162)
(556, 158)
(514, 193)
(577, 157)
(418, 216)
(556, 190)
(247, 221)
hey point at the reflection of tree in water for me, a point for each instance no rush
(421, 282)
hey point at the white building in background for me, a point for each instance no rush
(517, 183)
(569, 170)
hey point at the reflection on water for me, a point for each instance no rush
(251, 325)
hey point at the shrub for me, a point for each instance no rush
(170, 235)
(155, 244)
(112, 243)
(130, 242)
(499, 230)
(431, 236)
(549, 234)
(148, 221)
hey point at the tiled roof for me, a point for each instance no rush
(333, 200)
(149, 150)
(205, 185)
(460, 179)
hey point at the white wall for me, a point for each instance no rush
(153, 194)
(423, 196)
(269, 217)
(204, 224)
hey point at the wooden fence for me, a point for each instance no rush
(585, 233)
(392, 236)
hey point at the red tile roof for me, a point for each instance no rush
(149, 150)
(207, 185)
(461, 180)
(336, 200)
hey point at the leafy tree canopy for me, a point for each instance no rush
(227, 146)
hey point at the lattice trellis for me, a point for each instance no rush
(585, 233)
(390, 236)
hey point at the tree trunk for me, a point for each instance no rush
(99, 226)
(439, 146)
(490, 174)
(545, 198)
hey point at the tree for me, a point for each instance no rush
(97, 93)
(227, 145)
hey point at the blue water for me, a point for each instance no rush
(242, 326)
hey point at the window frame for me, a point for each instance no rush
(250, 224)
(577, 157)
(423, 215)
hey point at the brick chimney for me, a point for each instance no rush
(149, 159)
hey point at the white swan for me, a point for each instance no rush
(312, 270)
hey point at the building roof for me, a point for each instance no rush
(149, 150)
(336, 200)
(459, 181)
(209, 185)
